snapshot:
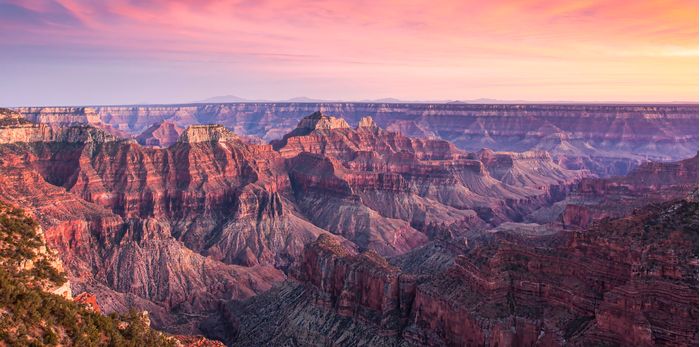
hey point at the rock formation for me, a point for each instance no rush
(595, 198)
(162, 134)
(358, 235)
(88, 300)
(205, 133)
(606, 139)
(633, 274)
(421, 181)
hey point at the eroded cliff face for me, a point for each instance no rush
(189, 228)
(606, 139)
(425, 182)
(162, 134)
(118, 214)
(633, 274)
(128, 261)
(596, 198)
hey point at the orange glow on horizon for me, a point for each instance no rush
(582, 50)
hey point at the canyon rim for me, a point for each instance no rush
(510, 173)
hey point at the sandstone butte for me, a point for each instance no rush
(343, 236)
(605, 139)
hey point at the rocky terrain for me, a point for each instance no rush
(36, 307)
(163, 134)
(595, 198)
(344, 235)
(627, 281)
(605, 139)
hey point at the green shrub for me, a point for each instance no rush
(32, 317)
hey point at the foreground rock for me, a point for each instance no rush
(203, 231)
(633, 274)
(35, 304)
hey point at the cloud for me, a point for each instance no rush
(341, 40)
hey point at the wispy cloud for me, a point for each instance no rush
(450, 45)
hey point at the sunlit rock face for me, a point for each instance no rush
(320, 121)
(605, 139)
(354, 234)
(206, 133)
(596, 198)
(162, 134)
(635, 274)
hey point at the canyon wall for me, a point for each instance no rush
(606, 139)
(630, 281)
(417, 241)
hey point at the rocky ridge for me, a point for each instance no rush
(180, 230)
(505, 288)
(162, 134)
(595, 198)
(606, 139)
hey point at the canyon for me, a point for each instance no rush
(382, 224)
(605, 139)
(627, 281)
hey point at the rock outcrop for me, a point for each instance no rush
(355, 235)
(596, 198)
(206, 133)
(88, 300)
(320, 121)
(367, 122)
(34, 133)
(162, 134)
(633, 274)
(606, 139)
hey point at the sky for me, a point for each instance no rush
(87, 52)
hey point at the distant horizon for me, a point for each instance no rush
(669, 103)
(387, 100)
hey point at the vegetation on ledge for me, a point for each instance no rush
(30, 316)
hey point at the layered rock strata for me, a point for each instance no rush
(606, 139)
(633, 274)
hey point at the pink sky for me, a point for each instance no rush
(128, 51)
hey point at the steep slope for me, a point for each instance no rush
(595, 198)
(637, 273)
(35, 303)
(162, 134)
(420, 181)
(606, 139)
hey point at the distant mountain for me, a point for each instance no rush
(305, 99)
(487, 101)
(222, 99)
(386, 101)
